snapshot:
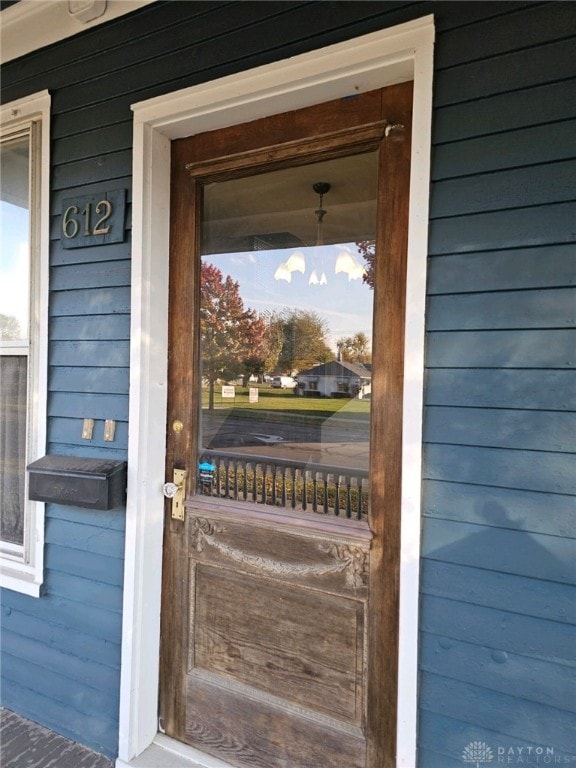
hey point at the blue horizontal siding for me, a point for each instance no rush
(110, 113)
(89, 538)
(503, 151)
(530, 679)
(483, 77)
(62, 256)
(500, 428)
(199, 52)
(103, 168)
(73, 667)
(493, 230)
(98, 729)
(113, 519)
(440, 759)
(108, 596)
(61, 656)
(74, 614)
(522, 553)
(77, 405)
(498, 604)
(65, 438)
(103, 140)
(503, 591)
(525, 26)
(447, 738)
(90, 328)
(547, 349)
(534, 185)
(76, 644)
(103, 380)
(551, 267)
(93, 301)
(537, 105)
(513, 717)
(97, 275)
(501, 630)
(77, 696)
(542, 308)
(501, 468)
(523, 510)
(546, 390)
(85, 353)
(88, 565)
(72, 446)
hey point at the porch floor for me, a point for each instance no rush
(24, 744)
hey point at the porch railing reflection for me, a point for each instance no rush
(287, 483)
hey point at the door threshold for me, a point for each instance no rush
(165, 752)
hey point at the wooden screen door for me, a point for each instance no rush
(287, 302)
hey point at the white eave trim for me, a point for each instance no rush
(30, 25)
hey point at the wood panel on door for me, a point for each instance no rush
(279, 625)
(277, 638)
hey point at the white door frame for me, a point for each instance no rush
(365, 63)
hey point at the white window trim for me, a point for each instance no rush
(25, 574)
(372, 61)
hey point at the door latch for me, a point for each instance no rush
(176, 491)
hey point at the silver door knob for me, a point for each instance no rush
(170, 490)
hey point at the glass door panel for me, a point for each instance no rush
(286, 336)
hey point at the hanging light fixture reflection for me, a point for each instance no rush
(283, 273)
(297, 262)
(321, 188)
(315, 280)
(345, 262)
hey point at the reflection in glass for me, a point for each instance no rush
(14, 231)
(13, 374)
(286, 335)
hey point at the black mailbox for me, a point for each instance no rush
(79, 482)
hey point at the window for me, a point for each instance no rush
(281, 283)
(24, 233)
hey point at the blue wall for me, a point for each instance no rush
(498, 572)
(497, 600)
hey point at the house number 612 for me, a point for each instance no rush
(97, 219)
(73, 219)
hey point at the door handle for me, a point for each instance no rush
(176, 491)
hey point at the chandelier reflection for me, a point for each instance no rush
(315, 280)
(345, 262)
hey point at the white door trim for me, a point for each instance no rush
(372, 61)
